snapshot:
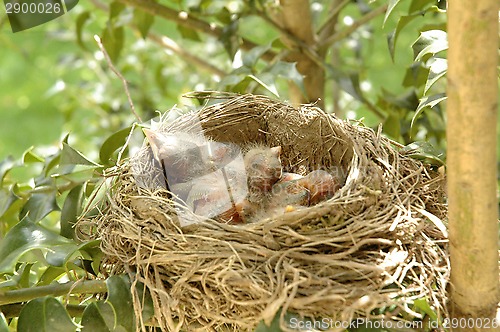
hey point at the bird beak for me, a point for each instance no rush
(154, 140)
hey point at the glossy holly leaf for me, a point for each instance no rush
(29, 156)
(113, 143)
(267, 82)
(146, 301)
(71, 209)
(5, 166)
(7, 198)
(143, 21)
(24, 275)
(120, 298)
(427, 101)
(70, 156)
(50, 274)
(4, 326)
(38, 206)
(45, 314)
(113, 39)
(437, 69)
(80, 22)
(59, 255)
(392, 37)
(429, 42)
(390, 9)
(24, 237)
(98, 317)
(416, 75)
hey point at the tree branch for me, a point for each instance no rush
(78, 287)
(350, 29)
(331, 21)
(187, 21)
(187, 56)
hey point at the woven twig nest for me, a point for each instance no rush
(378, 243)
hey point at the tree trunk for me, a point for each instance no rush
(296, 20)
(472, 162)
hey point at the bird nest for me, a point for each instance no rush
(371, 251)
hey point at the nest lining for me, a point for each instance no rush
(370, 246)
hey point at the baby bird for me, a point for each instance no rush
(321, 185)
(288, 193)
(263, 169)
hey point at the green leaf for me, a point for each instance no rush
(416, 75)
(424, 151)
(115, 9)
(4, 326)
(120, 298)
(24, 273)
(288, 70)
(393, 36)
(188, 33)
(113, 40)
(427, 101)
(31, 157)
(50, 274)
(429, 42)
(5, 166)
(437, 69)
(7, 198)
(80, 22)
(98, 317)
(45, 314)
(59, 255)
(392, 125)
(251, 57)
(112, 143)
(38, 206)
(146, 301)
(71, 210)
(230, 39)
(390, 8)
(267, 82)
(418, 6)
(424, 306)
(143, 21)
(70, 156)
(24, 237)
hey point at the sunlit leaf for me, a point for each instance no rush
(80, 22)
(429, 42)
(70, 211)
(423, 305)
(120, 298)
(38, 206)
(24, 275)
(143, 21)
(31, 157)
(50, 274)
(23, 237)
(112, 143)
(115, 8)
(427, 101)
(98, 317)
(390, 8)
(437, 69)
(4, 326)
(417, 6)
(45, 314)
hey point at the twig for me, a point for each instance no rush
(350, 29)
(332, 19)
(181, 18)
(26, 294)
(120, 76)
(187, 56)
